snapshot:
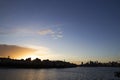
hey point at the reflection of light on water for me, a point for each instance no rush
(81, 73)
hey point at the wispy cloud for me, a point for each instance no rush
(4, 31)
(39, 49)
(46, 32)
(54, 33)
(7, 31)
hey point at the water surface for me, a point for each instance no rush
(82, 73)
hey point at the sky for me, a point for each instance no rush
(71, 30)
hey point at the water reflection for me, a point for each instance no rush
(59, 74)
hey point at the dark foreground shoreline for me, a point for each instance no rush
(36, 63)
(47, 64)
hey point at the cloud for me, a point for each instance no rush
(14, 51)
(54, 33)
(41, 52)
(46, 32)
(12, 31)
(4, 31)
(39, 49)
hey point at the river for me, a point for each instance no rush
(79, 73)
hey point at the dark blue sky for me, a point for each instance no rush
(76, 29)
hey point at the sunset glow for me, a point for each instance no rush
(72, 30)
